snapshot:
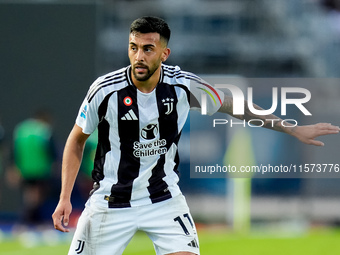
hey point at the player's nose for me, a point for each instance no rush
(139, 56)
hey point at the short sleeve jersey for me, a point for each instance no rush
(136, 160)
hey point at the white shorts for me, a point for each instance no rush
(107, 231)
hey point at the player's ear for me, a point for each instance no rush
(165, 54)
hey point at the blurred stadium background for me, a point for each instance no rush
(52, 50)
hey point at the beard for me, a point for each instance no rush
(146, 75)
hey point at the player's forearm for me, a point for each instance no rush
(72, 157)
(269, 121)
(70, 167)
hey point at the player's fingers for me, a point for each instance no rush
(316, 143)
(59, 226)
(57, 222)
(325, 129)
(66, 219)
(327, 132)
(328, 126)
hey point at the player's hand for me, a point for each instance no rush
(307, 134)
(61, 216)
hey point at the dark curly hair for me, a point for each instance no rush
(149, 24)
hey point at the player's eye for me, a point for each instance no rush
(148, 49)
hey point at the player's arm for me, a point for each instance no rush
(72, 157)
(305, 134)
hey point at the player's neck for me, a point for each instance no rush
(148, 85)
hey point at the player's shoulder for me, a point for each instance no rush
(175, 75)
(107, 83)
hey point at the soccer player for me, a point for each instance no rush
(34, 156)
(140, 111)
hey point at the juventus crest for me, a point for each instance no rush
(169, 103)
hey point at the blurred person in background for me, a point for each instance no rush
(2, 138)
(34, 155)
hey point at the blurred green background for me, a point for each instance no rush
(215, 242)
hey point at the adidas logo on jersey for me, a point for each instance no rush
(130, 115)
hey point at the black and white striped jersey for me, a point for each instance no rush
(137, 159)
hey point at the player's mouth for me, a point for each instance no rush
(140, 68)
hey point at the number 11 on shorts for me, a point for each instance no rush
(181, 223)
